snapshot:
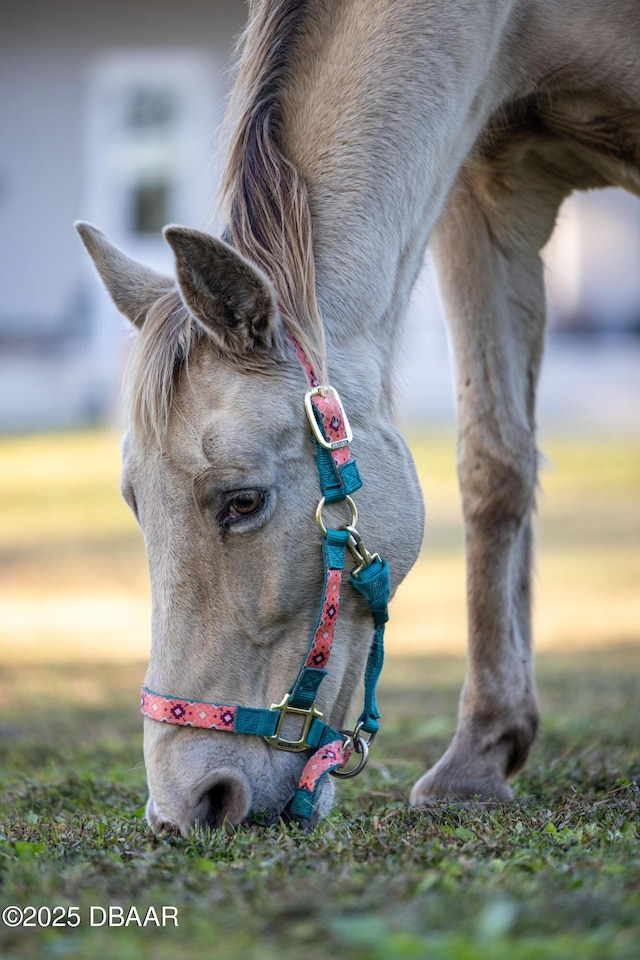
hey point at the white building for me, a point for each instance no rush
(108, 113)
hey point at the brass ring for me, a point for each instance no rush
(352, 508)
(361, 747)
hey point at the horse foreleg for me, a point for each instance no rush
(491, 277)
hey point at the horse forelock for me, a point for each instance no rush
(263, 196)
(161, 349)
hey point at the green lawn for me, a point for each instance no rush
(554, 875)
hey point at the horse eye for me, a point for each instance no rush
(244, 504)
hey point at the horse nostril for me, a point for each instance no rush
(227, 800)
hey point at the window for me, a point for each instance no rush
(151, 119)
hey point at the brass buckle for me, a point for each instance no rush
(292, 746)
(331, 393)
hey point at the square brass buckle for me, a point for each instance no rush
(293, 746)
(331, 394)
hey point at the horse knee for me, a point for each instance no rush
(498, 480)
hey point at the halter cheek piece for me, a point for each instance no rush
(339, 478)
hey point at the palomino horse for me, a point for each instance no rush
(357, 131)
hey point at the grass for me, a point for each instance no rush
(554, 875)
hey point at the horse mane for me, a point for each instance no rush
(263, 196)
(267, 211)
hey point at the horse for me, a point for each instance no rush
(355, 133)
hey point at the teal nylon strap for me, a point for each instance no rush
(305, 687)
(255, 720)
(327, 735)
(370, 713)
(375, 586)
(373, 583)
(304, 800)
(336, 482)
(334, 545)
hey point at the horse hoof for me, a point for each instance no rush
(435, 787)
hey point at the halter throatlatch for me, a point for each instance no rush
(339, 478)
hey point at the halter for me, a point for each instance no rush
(339, 478)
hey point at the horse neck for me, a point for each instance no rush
(386, 101)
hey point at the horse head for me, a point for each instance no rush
(219, 469)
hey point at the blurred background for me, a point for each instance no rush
(109, 112)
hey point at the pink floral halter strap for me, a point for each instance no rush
(331, 749)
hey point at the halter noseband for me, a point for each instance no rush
(339, 478)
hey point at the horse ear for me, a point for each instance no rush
(133, 287)
(229, 296)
